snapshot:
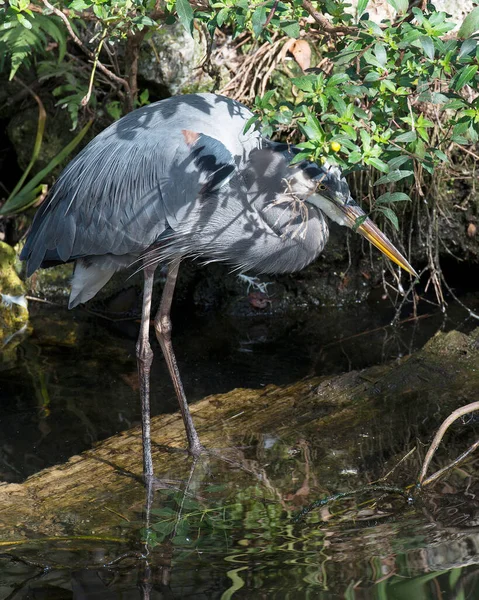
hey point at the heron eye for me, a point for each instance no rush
(321, 186)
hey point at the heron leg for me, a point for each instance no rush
(163, 333)
(144, 355)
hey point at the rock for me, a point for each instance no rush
(13, 306)
(172, 59)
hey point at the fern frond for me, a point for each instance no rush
(22, 38)
(20, 43)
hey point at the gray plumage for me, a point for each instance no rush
(181, 178)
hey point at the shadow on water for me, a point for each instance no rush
(227, 530)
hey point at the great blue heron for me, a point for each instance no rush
(181, 178)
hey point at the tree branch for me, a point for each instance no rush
(324, 23)
(464, 410)
(89, 53)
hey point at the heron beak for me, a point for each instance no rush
(371, 232)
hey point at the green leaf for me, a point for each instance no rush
(24, 21)
(258, 19)
(304, 83)
(337, 79)
(470, 24)
(438, 98)
(372, 76)
(390, 216)
(164, 527)
(455, 104)
(355, 157)
(378, 164)
(467, 47)
(395, 175)
(458, 139)
(440, 154)
(312, 128)
(428, 46)
(371, 59)
(79, 5)
(400, 5)
(291, 28)
(298, 158)
(42, 117)
(464, 76)
(389, 85)
(393, 197)
(380, 52)
(398, 161)
(365, 139)
(222, 16)
(185, 15)
(409, 136)
(164, 511)
(19, 202)
(145, 20)
(362, 4)
(250, 122)
(372, 27)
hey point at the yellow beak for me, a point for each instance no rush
(372, 233)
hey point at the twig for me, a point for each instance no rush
(86, 98)
(454, 463)
(43, 301)
(82, 46)
(468, 151)
(324, 23)
(464, 410)
(470, 312)
(271, 14)
(115, 561)
(395, 466)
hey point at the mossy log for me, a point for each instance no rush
(343, 418)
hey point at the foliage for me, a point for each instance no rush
(193, 524)
(24, 34)
(25, 195)
(394, 97)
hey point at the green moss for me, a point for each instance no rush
(12, 315)
(53, 284)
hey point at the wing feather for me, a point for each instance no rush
(138, 177)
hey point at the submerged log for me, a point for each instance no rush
(344, 420)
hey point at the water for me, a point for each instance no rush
(72, 383)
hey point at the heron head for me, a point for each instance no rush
(333, 197)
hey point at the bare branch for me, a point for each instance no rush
(82, 46)
(271, 14)
(86, 98)
(325, 23)
(464, 410)
(448, 467)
